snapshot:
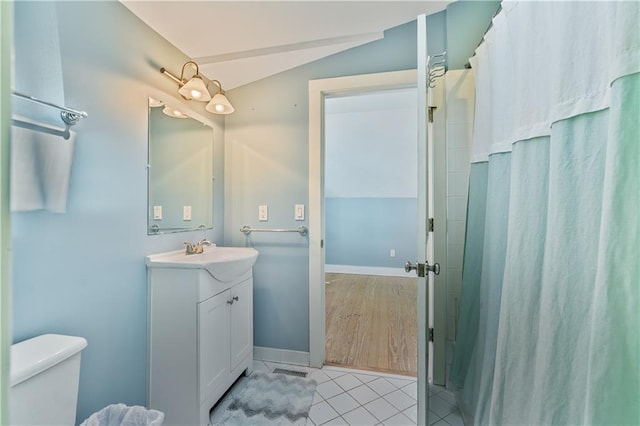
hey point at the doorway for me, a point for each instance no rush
(370, 201)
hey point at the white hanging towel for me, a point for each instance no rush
(40, 170)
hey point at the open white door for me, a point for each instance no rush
(425, 266)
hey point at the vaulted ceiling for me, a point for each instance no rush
(238, 42)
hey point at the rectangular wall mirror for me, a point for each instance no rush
(180, 172)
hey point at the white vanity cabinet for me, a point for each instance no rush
(200, 331)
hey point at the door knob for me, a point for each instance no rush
(422, 268)
(408, 266)
(435, 268)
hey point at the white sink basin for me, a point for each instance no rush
(223, 263)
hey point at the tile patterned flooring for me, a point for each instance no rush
(363, 398)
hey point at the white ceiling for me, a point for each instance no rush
(238, 42)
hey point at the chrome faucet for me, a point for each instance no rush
(198, 247)
(205, 242)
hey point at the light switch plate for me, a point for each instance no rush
(186, 213)
(157, 212)
(263, 213)
(299, 212)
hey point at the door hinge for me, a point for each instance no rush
(430, 113)
(431, 334)
(430, 225)
(321, 243)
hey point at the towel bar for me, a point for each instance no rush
(302, 230)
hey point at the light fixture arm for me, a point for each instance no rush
(217, 83)
(183, 67)
(173, 77)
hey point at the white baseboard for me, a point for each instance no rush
(368, 270)
(281, 355)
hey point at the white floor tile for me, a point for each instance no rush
(319, 376)
(363, 394)
(343, 403)
(381, 386)
(411, 389)
(342, 399)
(454, 419)
(412, 413)
(432, 417)
(348, 381)
(329, 389)
(447, 396)
(334, 374)
(360, 417)
(435, 389)
(260, 366)
(365, 378)
(400, 400)
(381, 409)
(322, 413)
(338, 421)
(399, 419)
(441, 407)
(400, 383)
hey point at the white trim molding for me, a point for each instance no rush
(283, 356)
(318, 90)
(369, 270)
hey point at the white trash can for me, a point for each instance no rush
(123, 415)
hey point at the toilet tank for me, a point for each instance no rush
(44, 378)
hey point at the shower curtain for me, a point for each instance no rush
(550, 308)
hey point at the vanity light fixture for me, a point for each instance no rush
(196, 89)
(219, 104)
(172, 112)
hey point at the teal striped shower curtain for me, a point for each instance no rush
(549, 326)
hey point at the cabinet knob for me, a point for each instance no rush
(230, 302)
(235, 298)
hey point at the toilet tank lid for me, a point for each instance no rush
(35, 355)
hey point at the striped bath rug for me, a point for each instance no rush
(271, 399)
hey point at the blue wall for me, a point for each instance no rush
(459, 29)
(361, 231)
(266, 147)
(83, 273)
(466, 23)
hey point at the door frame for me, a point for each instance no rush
(318, 90)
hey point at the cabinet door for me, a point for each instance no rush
(213, 333)
(241, 322)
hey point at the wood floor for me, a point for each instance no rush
(371, 323)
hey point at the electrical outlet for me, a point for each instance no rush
(157, 212)
(186, 213)
(263, 213)
(392, 253)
